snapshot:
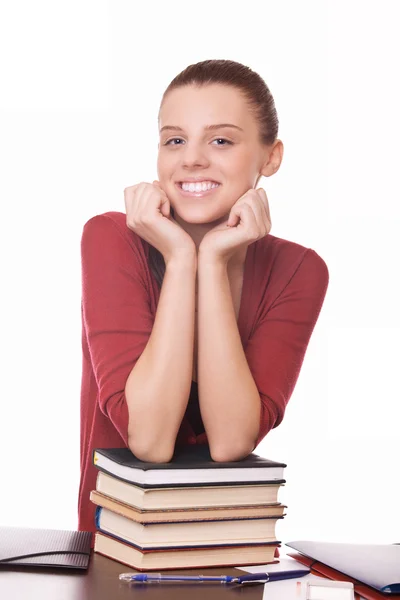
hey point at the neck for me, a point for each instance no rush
(197, 231)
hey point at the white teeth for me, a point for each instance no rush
(201, 186)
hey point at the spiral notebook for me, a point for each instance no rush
(21, 546)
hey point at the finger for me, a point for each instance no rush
(128, 195)
(264, 219)
(243, 214)
(158, 184)
(133, 200)
(265, 203)
(252, 215)
(262, 223)
(252, 198)
(128, 191)
(131, 187)
(162, 202)
(261, 192)
(165, 206)
(234, 214)
(251, 221)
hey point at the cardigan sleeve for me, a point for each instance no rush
(115, 311)
(277, 347)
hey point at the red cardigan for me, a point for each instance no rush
(284, 286)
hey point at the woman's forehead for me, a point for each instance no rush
(210, 104)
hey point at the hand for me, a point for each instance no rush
(148, 215)
(249, 220)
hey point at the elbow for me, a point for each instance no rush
(155, 453)
(236, 446)
(230, 454)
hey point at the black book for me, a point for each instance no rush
(24, 546)
(189, 466)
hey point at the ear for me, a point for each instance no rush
(273, 159)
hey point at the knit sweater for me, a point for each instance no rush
(284, 286)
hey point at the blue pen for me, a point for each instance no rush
(249, 578)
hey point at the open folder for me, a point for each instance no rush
(21, 546)
(374, 569)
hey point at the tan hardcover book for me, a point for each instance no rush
(190, 514)
(150, 536)
(204, 496)
(184, 558)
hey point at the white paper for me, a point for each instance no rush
(329, 590)
(287, 589)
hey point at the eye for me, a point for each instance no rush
(224, 142)
(168, 142)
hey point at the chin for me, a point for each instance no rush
(199, 213)
(201, 219)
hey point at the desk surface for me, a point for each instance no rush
(100, 582)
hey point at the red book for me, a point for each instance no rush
(318, 568)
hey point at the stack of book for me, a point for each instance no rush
(188, 513)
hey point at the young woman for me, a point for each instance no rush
(195, 319)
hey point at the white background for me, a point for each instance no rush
(81, 85)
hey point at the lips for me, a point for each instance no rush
(198, 179)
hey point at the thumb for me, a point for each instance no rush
(234, 216)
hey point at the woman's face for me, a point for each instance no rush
(208, 135)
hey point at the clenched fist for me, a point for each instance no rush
(148, 214)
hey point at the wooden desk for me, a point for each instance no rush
(100, 582)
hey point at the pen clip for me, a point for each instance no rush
(253, 578)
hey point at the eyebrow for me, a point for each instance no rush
(208, 128)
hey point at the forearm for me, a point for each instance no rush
(158, 387)
(229, 400)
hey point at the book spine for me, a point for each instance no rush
(97, 516)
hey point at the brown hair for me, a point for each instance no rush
(256, 92)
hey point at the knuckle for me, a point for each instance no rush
(129, 189)
(146, 219)
(131, 223)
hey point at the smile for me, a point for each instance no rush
(198, 188)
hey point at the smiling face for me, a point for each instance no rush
(209, 153)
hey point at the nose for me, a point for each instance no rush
(194, 155)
